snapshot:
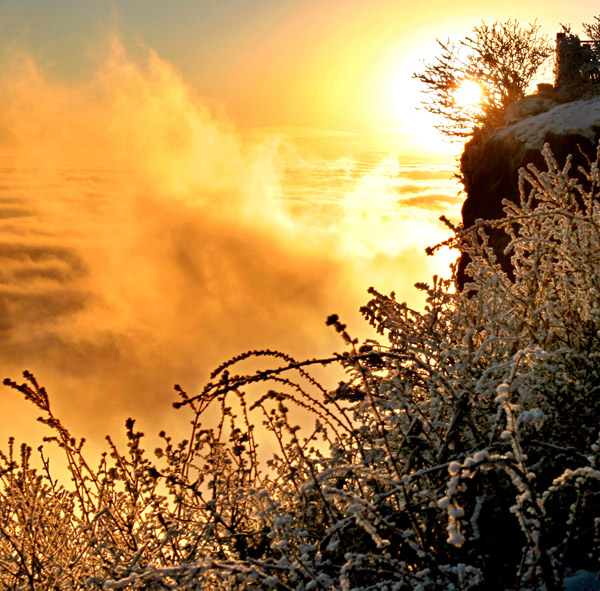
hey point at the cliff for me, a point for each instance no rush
(490, 162)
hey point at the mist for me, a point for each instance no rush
(144, 239)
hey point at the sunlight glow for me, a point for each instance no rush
(468, 94)
(405, 96)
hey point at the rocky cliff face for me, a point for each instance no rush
(491, 161)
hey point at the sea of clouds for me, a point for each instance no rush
(144, 239)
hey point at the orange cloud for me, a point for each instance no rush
(144, 240)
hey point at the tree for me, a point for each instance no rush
(592, 30)
(502, 58)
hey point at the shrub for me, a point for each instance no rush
(460, 452)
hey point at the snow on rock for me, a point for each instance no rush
(582, 580)
(579, 117)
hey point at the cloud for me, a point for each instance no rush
(432, 173)
(435, 202)
(144, 240)
(135, 241)
(409, 189)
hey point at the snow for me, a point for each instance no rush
(582, 581)
(576, 117)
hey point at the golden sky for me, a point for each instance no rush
(333, 64)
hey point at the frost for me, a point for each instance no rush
(503, 389)
(456, 539)
(456, 512)
(481, 456)
(454, 468)
(533, 415)
(443, 503)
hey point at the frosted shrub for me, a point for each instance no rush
(460, 452)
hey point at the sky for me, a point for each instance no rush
(149, 224)
(333, 64)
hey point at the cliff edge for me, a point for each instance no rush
(490, 162)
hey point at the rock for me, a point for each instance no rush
(528, 106)
(546, 90)
(490, 162)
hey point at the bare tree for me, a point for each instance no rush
(592, 30)
(502, 58)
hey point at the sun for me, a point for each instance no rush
(468, 93)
